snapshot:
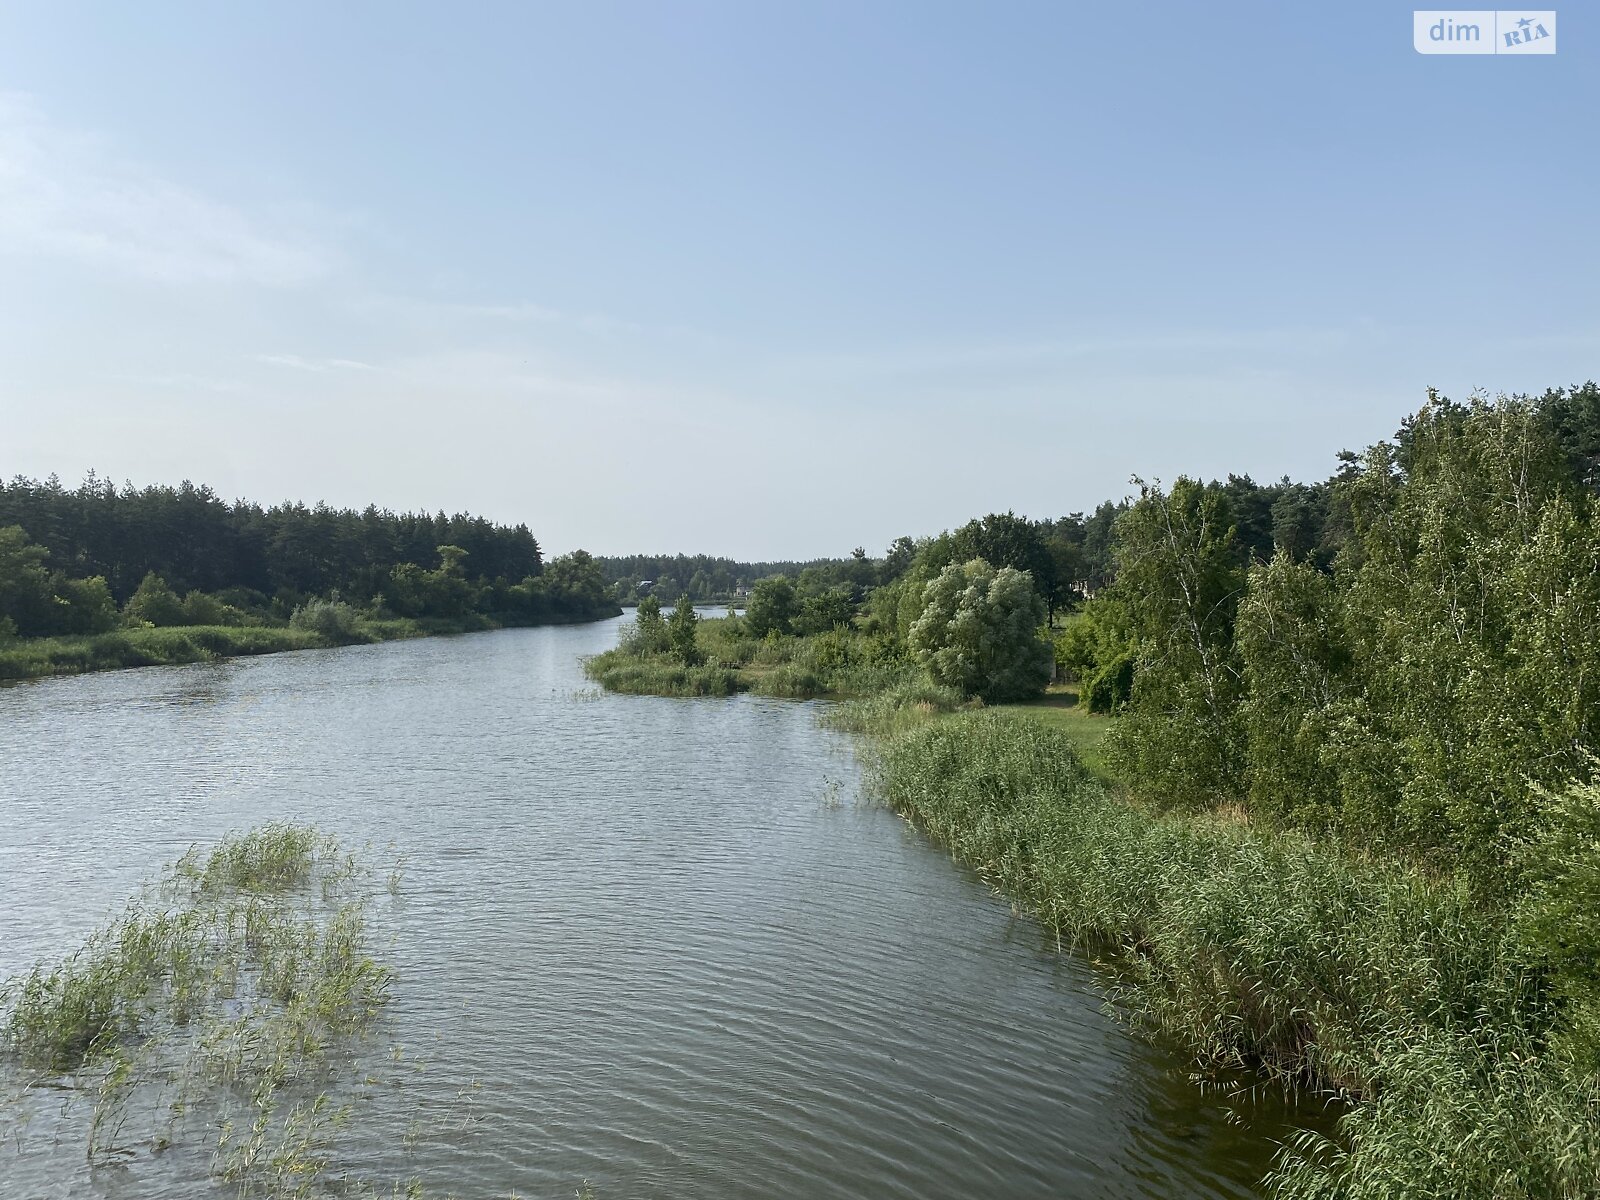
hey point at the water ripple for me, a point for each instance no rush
(672, 969)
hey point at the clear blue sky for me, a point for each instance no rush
(769, 280)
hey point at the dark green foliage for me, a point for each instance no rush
(1420, 651)
(1096, 647)
(37, 602)
(334, 621)
(897, 559)
(1557, 915)
(1300, 523)
(1297, 667)
(650, 634)
(680, 634)
(1413, 654)
(154, 603)
(85, 606)
(824, 610)
(1007, 540)
(442, 592)
(240, 565)
(196, 541)
(573, 588)
(1180, 579)
(772, 607)
(33, 657)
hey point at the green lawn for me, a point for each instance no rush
(1059, 709)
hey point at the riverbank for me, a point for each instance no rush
(1399, 992)
(788, 959)
(34, 658)
(834, 665)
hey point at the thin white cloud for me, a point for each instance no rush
(64, 193)
(295, 362)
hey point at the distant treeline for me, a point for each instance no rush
(702, 578)
(87, 559)
(195, 540)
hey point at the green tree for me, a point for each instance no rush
(681, 632)
(980, 632)
(26, 598)
(84, 605)
(575, 586)
(1097, 648)
(1007, 540)
(897, 560)
(771, 608)
(650, 634)
(1290, 635)
(154, 603)
(1180, 577)
(821, 611)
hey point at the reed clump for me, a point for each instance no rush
(1398, 990)
(661, 678)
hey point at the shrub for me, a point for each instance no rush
(790, 681)
(154, 603)
(332, 620)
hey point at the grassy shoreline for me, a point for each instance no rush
(1273, 951)
(121, 649)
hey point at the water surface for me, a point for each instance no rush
(674, 953)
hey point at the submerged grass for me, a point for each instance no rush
(1276, 952)
(224, 998)
(223, 1013)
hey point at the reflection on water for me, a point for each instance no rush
(675, 963)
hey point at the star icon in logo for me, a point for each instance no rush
(1525, 22)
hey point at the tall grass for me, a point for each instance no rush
(1275, 952)
(35, 657)
(617, 673)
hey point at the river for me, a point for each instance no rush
(676, 955)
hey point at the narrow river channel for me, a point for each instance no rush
(656, 944)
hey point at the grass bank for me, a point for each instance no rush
(1059, 709)
(33, 658)
(1273, 951)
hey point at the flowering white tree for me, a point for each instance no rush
(980, 632)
